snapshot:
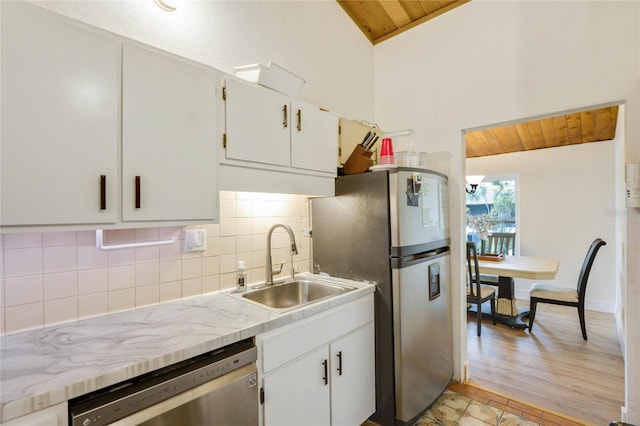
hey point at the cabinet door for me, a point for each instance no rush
(353, 397)
(168, 138)
(298, 393)
(314, 138)
(60, 120)
(258, 123)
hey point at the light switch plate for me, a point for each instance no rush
(195, 240)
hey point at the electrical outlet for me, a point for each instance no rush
(307, 232)
(195, 240)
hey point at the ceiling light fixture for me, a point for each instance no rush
(473, 181)
(167, 5)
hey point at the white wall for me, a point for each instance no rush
(497, 61)
(566, 200)
(313, 39)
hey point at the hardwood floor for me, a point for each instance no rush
(553, 368)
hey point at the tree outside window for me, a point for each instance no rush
(492, 206)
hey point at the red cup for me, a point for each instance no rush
(387, 148)
(386, 152)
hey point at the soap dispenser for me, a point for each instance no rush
(241, 277)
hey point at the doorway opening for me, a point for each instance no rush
(555, 217)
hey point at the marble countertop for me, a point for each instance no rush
(45, 367)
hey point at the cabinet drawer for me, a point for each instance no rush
(285, 344)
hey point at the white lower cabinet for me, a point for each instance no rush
(297, 394)
(321, 370)
(353, 377)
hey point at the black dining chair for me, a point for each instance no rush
(556, 295)
(477, 293)
(499, 243)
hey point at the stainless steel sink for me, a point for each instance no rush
(295, 294)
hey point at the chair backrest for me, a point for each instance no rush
(474, 270)
(500, 243)
(586, 267)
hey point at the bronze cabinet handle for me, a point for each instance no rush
(339, 363)
(325, 364)
(285, 119)
(137, 192)
(299, 120)
(103, 192)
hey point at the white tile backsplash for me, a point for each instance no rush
(122, 277)
(170, 291)
(93, 280)
(22, 290)
(148, 295)
(191, 287)
(60, 310)
(191, 268)
(171, 270)
(24, 317)
(17, 241)
(122, 300)
(90, 257)
(53, 277)
(60, 285)
(147, 273)
(60, 258)
(22, 261)
(91, 305)
(60, 238)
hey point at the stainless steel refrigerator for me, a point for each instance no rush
(392, 227)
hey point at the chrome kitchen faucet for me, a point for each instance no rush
(294, 250)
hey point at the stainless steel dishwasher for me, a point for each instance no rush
(216, 388)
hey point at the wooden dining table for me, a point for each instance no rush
(527, 267)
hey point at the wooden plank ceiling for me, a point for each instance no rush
(380, 20)
(580, 127)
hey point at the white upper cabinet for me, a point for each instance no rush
(267, 128)
(60, 120)
(257, 124)
(169, 138)
(314, 138)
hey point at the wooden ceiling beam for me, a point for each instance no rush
(422, 20)
(536, 133)
(574, 128)
(396, 12)
(560, 127)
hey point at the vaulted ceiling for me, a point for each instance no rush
(380, 20)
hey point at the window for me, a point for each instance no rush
(492, 208)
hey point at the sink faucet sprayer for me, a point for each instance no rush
(294, 250)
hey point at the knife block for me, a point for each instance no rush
(358, 162)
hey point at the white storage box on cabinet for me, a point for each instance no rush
(320, 370)
(272, 76)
